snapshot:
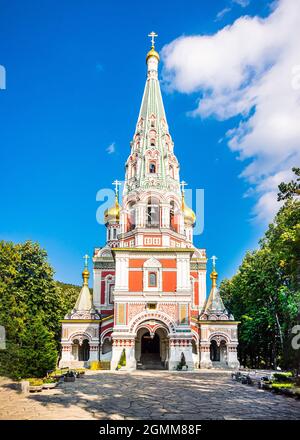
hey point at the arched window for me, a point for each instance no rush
(131, 217)
(173, 222)
(152, 143)
(106, 346)
(152, 213)
(152, 167)
(109, 289)
(152, 279)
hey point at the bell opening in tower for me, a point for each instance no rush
(152, 213)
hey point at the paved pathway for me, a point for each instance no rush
(148, 395)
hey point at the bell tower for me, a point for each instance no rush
(149, 306)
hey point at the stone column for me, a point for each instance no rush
(65, 354)
(117, 348)
(165, 215)
(232, 356)
(205, 361)
(94, 351)
(177, 347)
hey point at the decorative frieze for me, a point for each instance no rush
(180, 342)
(125, 342)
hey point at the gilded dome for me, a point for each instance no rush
(112, 214)
(189, 215)
(152, 53)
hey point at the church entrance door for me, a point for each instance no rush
(150, 352)
(150, 344)
(151, 349)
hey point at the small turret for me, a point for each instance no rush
(84, 307)
(214, 308)
(112, 219)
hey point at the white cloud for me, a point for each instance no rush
(111, 148)
(248, 69)
(221, 14)
(242, 3)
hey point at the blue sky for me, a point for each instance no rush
(75, 76)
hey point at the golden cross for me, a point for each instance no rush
(214, 258)
(117, 183)
(86, 257)
(182, 185)
(152, 35)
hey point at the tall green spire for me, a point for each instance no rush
(152, 163)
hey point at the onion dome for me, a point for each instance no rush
(112, 215)
(188, 213)
(152, 53)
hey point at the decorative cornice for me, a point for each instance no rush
(83, 321)
(158, 249)
(79, 321)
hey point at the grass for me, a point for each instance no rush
(282, 385)
(34, 382)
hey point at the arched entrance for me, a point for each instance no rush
(80, 351)
(150, 344)
(218, 351)
(151, 349)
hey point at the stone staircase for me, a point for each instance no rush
(220, 365)
(150, 361)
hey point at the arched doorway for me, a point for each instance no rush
(218, 352)
(151, 349)
(80, 351)
(150, 344)
(106, 349)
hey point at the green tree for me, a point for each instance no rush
(33, 354)
(30, 302)
(68, 294)
(290, 189)
(264, 294)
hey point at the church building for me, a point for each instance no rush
(149, 306)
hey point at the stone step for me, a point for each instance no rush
(150, 361)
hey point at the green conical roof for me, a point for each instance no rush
(152, 103)
(152, 140)
(84, 300)
(214, 307)
(214, 303)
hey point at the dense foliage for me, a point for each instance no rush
(31, 306)
(265, 293)
(68, 294)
